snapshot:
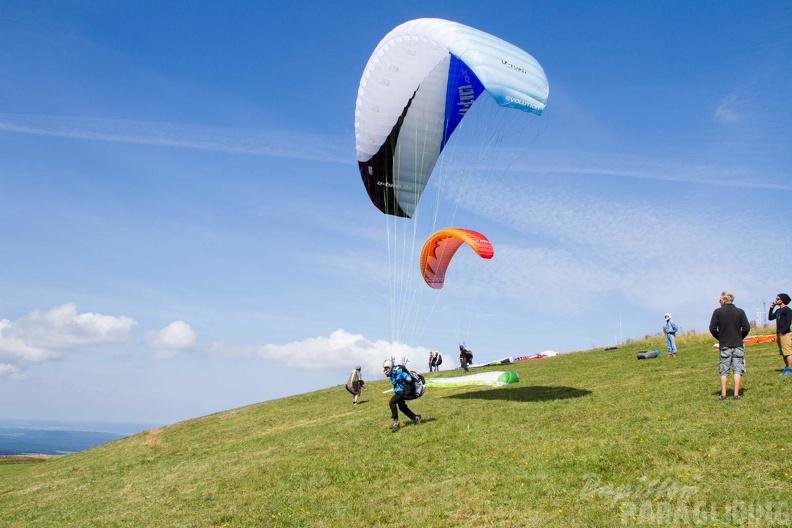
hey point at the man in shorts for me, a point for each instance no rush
(729, 325)
(780, 311)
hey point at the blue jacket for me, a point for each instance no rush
(670, 327)
(398, 378)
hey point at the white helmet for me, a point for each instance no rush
(387, 364)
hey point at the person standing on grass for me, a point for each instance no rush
(783, 318)
(670, 329)
(400, 378)
(434, 361)
(729, 325)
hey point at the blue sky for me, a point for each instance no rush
(184, 228)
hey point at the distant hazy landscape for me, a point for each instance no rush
(19, 437)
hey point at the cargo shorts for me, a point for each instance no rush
(731, 358)
(785, 344)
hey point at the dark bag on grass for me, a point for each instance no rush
(648, 354)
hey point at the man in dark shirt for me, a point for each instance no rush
(780, 311)
(729, 325)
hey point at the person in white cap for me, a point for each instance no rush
(670, 329)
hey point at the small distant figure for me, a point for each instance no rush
(400, 379)
(435, 360)
(465, 357)
(729, 325)
(670, 330)
(355, 384)
(782, 313)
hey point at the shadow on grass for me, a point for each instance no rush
(527, 394)
(730, 392)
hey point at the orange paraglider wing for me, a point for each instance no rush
(440, 247)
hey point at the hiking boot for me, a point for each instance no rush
(721, 397)
(737, 397)
(394, 425)
(417, 419)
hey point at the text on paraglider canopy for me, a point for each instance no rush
(521, 102)
(514, 67)
(466, 98)
(395, 185)
(466, 92)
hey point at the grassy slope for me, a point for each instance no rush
(576, 442)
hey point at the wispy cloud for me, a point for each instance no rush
(568, 249)
(730, 109)
(282, 144)
(559, 162)
(338, 149)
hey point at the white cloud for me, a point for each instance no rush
(176, 336)
(339, 349)
(14, 348)
(62, 327)
(40, 336)
(11, 371)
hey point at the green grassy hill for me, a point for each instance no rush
(593, 438)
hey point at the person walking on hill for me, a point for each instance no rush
(465, 357)
(355, 384)
(400, 378)
(670, 329)
(780, 311)
(729, 325)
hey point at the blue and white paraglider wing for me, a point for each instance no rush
(417, 86)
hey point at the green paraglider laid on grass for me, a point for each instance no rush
(493, 379)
